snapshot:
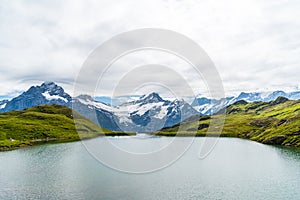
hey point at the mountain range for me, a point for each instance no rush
(208, 106)
(275, 122)
(146, 113)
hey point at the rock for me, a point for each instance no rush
(283, 121)
(205, 118)
(279, 100)
(276, 140)
(203, 126)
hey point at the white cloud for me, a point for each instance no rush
(255, 44)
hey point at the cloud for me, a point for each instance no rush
(254, 44)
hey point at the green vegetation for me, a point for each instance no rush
(276, 122)
(47, 123)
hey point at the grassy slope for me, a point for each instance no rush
(276, 122)
(45, 123)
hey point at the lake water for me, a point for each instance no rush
(235, 169)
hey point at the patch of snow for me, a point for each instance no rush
(101, 106)
(163, 112)
(142, 109)
(124, 119)
(98, 105)
(3, 106)
(53, 97)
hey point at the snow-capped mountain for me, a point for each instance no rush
(294, 95)
(249, 97)
(208, 106)
(266, 97)
(148, 113)
(151, 113)
(47, 93)
(98, 112)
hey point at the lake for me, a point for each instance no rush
(235, 169)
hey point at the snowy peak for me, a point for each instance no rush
(49, 84)
(52, 91)
(51, 87)
(151, 112)
(48, 87)
(47, 93)
(151, 98)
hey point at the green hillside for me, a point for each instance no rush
(47, 123)
(276, 122)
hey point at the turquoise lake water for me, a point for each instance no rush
(235, 169)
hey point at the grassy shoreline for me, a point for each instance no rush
(7, 145)
(24, 144)
(217, 135)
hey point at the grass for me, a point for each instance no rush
(47, 123)
(270, 123)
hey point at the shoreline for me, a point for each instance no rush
(223, 136)
(36, 142)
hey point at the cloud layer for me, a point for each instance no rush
(255, 44)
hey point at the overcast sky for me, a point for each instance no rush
(255, 44)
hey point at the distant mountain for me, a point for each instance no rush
(151, 112)
(255, 97)
(47, 93)
(294, 95)
(148, 113)
(208, 106)
(98, 112)
(249, 97)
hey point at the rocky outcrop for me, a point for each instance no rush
(279, 100)
(276, 140)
